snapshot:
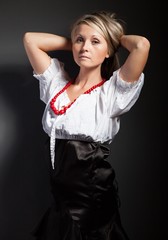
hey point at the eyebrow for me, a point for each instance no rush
(93, 36)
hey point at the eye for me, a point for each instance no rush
(79, 39)
(95, 41)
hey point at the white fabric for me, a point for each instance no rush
(93, 116)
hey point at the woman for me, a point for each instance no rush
(81, 118)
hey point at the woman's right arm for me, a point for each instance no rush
(38, 44)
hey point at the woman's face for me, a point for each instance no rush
(89, 47)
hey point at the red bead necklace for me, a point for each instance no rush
(64, 108)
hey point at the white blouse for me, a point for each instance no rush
(93, 116)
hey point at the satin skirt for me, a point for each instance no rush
(84, 189)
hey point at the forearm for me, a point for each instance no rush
(46, 41)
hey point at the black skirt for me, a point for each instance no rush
(86, 203)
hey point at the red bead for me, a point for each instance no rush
(62, 111)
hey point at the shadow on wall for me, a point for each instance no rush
(24, 180)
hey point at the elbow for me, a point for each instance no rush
(143, 44)
(27, 38)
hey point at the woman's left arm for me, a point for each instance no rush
(138, 47)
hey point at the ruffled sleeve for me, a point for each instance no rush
(122, 95)
(53, 77)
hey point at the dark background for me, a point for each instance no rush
(139, 150)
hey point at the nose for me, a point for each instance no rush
(85, 46)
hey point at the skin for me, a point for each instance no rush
(89, 50)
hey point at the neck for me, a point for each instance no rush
(88, 78)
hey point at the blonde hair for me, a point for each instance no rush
(112, 29)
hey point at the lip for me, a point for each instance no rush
(83, 57)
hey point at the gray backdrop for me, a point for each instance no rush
(139, 150)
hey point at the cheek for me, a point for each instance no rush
(75, 54)
(101, 55)
(75, 50)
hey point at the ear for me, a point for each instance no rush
(107, 55)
